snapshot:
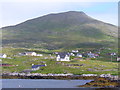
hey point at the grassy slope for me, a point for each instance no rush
(56, 39)
(63, 30)
(25, 62)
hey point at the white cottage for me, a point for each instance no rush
(79, 55)
(63, 57)
(3, 55)
(75, 51)
(72, 54)
(39, 55)
(118, 58)
(31, 53)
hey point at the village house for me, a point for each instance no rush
(55, 52)
(79, 55)
(84, 54)
(118, 58)
(3, 56)
(30, 53)
(37, 67)
(63, 57)
(75, 51)
(113, 54)
(39, 55)
(72, 54)
(91, 55)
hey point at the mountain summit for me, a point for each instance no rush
(62, 30)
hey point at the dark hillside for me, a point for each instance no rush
(62, 30)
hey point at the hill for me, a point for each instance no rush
(62, 30)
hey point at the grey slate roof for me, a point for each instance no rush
(63, 54)
(36, 66)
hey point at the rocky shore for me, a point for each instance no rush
(56, 76)
(103, 80)
(102, 83)
(44, 76)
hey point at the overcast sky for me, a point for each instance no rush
(13, 12)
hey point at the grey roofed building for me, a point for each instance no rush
(63, 56)
(79, 55)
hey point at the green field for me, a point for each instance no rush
(101, 65)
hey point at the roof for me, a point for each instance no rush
(2, 54)
(63, 54)
(91, 54)
(79, 54)
(36, 66)
(5, 64)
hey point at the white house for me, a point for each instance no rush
(113, 54)
(31, 53)
(72, 54)
(63, 57)
(118, 59)
(79, 55)
(39, 55)
(75, 51)
(3, 55)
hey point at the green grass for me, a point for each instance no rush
(25, 62)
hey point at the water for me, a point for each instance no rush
(41, 83)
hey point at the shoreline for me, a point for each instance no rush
(56, 76)
(101, 81)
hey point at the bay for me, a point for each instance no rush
(41, 83)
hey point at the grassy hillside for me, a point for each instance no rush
(88, 65)
(63, 30)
